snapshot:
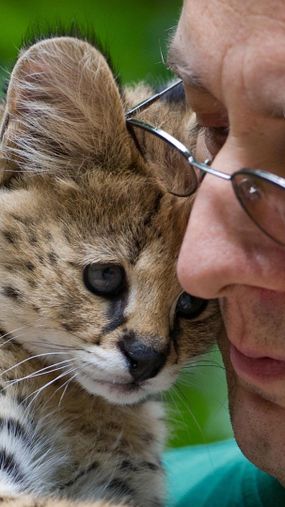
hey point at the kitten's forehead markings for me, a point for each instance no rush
(28, 221)
(10, 237)
(140, 239)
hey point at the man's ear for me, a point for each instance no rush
(63, 111)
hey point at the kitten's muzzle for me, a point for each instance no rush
(144, 362)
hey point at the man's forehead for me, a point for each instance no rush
(203, 47)
(235, 7)
(223, 21)
(198, 38)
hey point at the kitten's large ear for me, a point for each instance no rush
(63, 111)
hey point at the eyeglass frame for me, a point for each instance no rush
(202, 166)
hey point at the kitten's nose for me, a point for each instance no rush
(144, 361)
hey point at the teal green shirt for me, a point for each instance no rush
(218, 475)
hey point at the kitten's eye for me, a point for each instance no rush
(189, 307)
(107, 280)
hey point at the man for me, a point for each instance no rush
(231, 57)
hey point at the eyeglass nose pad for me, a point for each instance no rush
(202, 174)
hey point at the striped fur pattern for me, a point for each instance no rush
(80, 419)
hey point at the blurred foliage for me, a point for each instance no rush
(198, 406)
(136, 35)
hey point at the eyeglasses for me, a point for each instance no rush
(260, 193)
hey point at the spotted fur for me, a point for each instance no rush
(76, 422)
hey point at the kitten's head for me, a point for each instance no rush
(89, 237)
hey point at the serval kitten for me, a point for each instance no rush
(92, 321)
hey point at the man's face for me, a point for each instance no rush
(231, 56)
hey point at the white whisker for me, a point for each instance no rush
(43, 371)
(30, 358)
(13, 337)
(54, 392)
(188, 408)
(52, 346)
(65, 386)
(38, 391)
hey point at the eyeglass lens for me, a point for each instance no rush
(263, 201)
(171, 168)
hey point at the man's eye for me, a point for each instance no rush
(215, 137)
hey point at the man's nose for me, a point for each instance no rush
(220, 244)
(144, 361)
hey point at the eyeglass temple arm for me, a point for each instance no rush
(185, 152)
(145, 103)
(203, 166)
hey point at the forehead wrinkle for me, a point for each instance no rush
(269, 97)
(259, 83)
(182, 68)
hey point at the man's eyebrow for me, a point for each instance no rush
(177, 64)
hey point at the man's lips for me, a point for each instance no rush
(254, 366)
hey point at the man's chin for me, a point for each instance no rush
(257, 428)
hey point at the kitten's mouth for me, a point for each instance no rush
(123, 386)
(113, 391)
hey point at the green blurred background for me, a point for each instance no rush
(136, 34)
